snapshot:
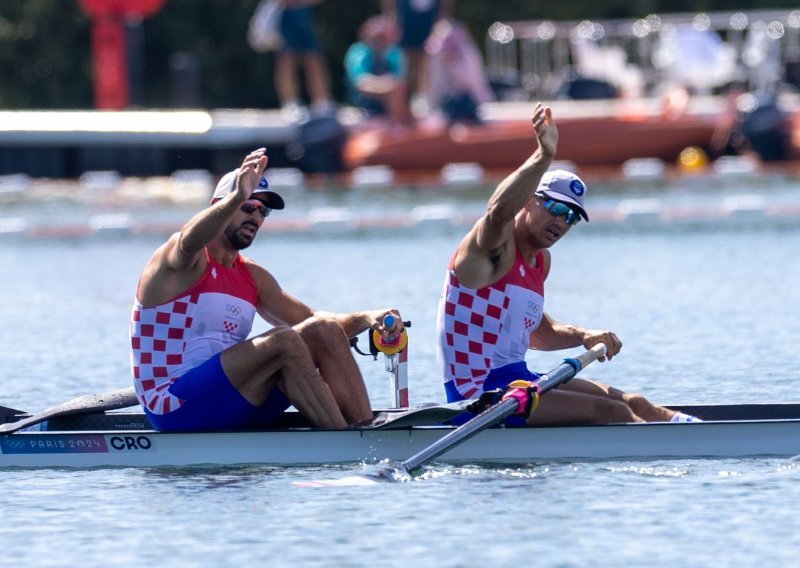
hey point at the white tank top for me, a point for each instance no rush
(484, 329)
(170, 339)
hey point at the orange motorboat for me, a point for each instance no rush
(589, 135)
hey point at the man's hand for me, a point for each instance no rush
(545, 129)
(378, 323)
(613, 344)
(250, 173)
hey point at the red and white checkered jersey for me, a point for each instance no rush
(170, 339)
(484, 329)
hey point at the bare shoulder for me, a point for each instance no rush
(264, 279)
(163, 278)
(276, 305)
(255, 268)
(483, 259)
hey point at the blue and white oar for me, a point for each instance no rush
(510, 404)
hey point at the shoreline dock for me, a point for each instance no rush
(67, 144)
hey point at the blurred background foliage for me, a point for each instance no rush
(45, 45)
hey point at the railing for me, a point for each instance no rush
(705, 52)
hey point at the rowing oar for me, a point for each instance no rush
(493, 415)
(81, 405)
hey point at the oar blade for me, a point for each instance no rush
(86, 403)
(349, 481)
(423, 415)
(10, 415)
(386, 471)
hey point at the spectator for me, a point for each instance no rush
(376, 71)
(301, 48)
(457, 82)
(416, 19)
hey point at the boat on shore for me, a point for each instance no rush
(126, 439)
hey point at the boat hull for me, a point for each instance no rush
(504, 144)
(733, 438)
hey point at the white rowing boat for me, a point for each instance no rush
(125, 439)
(92, 431)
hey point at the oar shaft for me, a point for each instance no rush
(488, 418)
(484, 420)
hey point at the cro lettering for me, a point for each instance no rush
(123, 443)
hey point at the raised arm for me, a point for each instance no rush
(180, 261)
(208, 224)
(487, 250)
(517, 188)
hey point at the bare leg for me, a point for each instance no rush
(638, 404)
(647, 410)
(415, 59)
(286, 80)
(331, 353)
(565, 407)
(280, 356)
(397, 105)
(317, 80)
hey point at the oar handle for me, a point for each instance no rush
(569, 368)
(398, 338)
(592, 354)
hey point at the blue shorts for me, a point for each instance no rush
(297, 30)
(498, 378)
(416, 26)
(211, 402)
(373, 107)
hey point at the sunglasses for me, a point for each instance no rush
(255, 205)
(558, 209)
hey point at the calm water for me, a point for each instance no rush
(706, 309)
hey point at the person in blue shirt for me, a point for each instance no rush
(376, 72)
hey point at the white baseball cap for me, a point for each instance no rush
(564, 186)
(227, 185)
